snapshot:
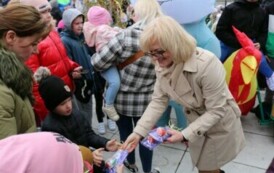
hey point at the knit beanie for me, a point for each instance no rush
(52, 89)
(39, 152)
(99, 16)
(61, 25)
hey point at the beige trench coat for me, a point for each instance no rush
(214, 132)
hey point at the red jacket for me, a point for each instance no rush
(52, 54)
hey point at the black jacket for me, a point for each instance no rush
(247, 17)
(74, 127)
(270, 8)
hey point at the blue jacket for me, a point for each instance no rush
(77, 50)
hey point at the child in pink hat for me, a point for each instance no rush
(41, 152)
(60, 26)
(97, 33)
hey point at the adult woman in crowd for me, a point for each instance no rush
(51, 54)
(137, 78)
(21, 30)
(194, 78)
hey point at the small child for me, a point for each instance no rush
(97, 33)
(42, 152)
(65, 120)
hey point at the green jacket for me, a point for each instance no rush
(16, 114)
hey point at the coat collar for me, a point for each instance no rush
(190, 65)
(14, 74)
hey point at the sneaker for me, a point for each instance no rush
(131, 168)
(270, 82)
(110, 111)
(155, 170)
(111, 125)
(101, 128)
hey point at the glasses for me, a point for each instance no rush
(159, 53)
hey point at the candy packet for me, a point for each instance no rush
(155, 137)
(117, 159)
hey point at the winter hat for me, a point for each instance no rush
(60, 25)
(99, 16)
(70, 15)
(52, 89)
(42, 152)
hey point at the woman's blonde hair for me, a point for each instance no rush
(23, 20)
(147, 10)
(171, 36)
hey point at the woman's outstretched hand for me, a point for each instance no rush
(131, 142)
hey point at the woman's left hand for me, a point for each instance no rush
(175, 136)
(113, 145)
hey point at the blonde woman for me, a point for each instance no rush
(194, 78)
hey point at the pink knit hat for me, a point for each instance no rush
(61, 24)
(42, 152)
(99, 16)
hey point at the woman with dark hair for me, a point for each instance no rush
(21, 30)
(51, 54)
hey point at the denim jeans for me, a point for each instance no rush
(111, 75)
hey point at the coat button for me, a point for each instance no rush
(199, 133)
(188, 111)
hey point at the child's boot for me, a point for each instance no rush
(110, 111)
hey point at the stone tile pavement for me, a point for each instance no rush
(254, 158)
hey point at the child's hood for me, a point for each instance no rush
(69, 16)
(98, 35)
(89, 31)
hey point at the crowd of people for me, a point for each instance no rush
(54, 57)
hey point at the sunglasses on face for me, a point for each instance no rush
(159, 53)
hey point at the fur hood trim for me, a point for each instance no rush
(15, 75)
